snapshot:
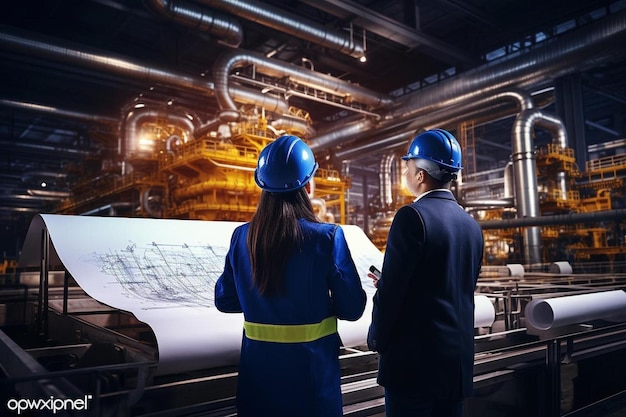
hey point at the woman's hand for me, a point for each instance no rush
(375, 278)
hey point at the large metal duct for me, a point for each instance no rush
(489, 109)
(225, 28)
(370, 148)
(385, 27)
(520, 99)
(41, 108)
(598, 43)
(265, 14)
(270, 102)
(399, 136)
(346, 132)
(570, 53)
(488, 203)
(229, 61)
(133, 70)
(490, 104)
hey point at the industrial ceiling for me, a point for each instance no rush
(71, 67)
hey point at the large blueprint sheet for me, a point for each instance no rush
(164, 271)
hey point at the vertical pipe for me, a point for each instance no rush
(385, 182)
(525, 172)
(557, 128)
(509, 181)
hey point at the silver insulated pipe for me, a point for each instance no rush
(524, 166)
(267, 15)
(227, 30)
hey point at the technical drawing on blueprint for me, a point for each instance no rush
(182, 274)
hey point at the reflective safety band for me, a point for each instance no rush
(290, 333)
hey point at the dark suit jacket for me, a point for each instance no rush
(423, 316)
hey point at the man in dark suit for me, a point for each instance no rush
(423, 317)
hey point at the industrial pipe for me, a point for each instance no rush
(148, 74)
(228, 31)
(575, 51)
(267, 15)
(618, 215)
(525, 172)
(230, 60)
(40, 108)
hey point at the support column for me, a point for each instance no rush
(569, 108)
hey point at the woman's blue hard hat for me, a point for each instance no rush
(286, 164)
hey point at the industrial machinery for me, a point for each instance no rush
(566, 194)
(169, 165)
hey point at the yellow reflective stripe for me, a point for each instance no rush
(290, 333)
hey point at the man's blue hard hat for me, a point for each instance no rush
(286, 164)
(438, 146)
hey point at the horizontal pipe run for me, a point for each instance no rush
(573, 218)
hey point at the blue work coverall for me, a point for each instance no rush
(293, 377)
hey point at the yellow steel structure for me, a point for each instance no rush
(331, 187)
(554, 161)
(215, 179)
(115, 193)
(211, 179)
(165, 172)
(604, 179)
(606, 169)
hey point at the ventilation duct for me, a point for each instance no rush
(40, 108)
(266, 15)
(134, 70)
(572, 53)
(598, 43)
(344, 133)
(227, 30)
(399, 136)
(386, 144)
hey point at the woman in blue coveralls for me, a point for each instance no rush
(292, 277)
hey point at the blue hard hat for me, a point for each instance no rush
(286, 164)
(439, 146)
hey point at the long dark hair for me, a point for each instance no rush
(275, 234)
